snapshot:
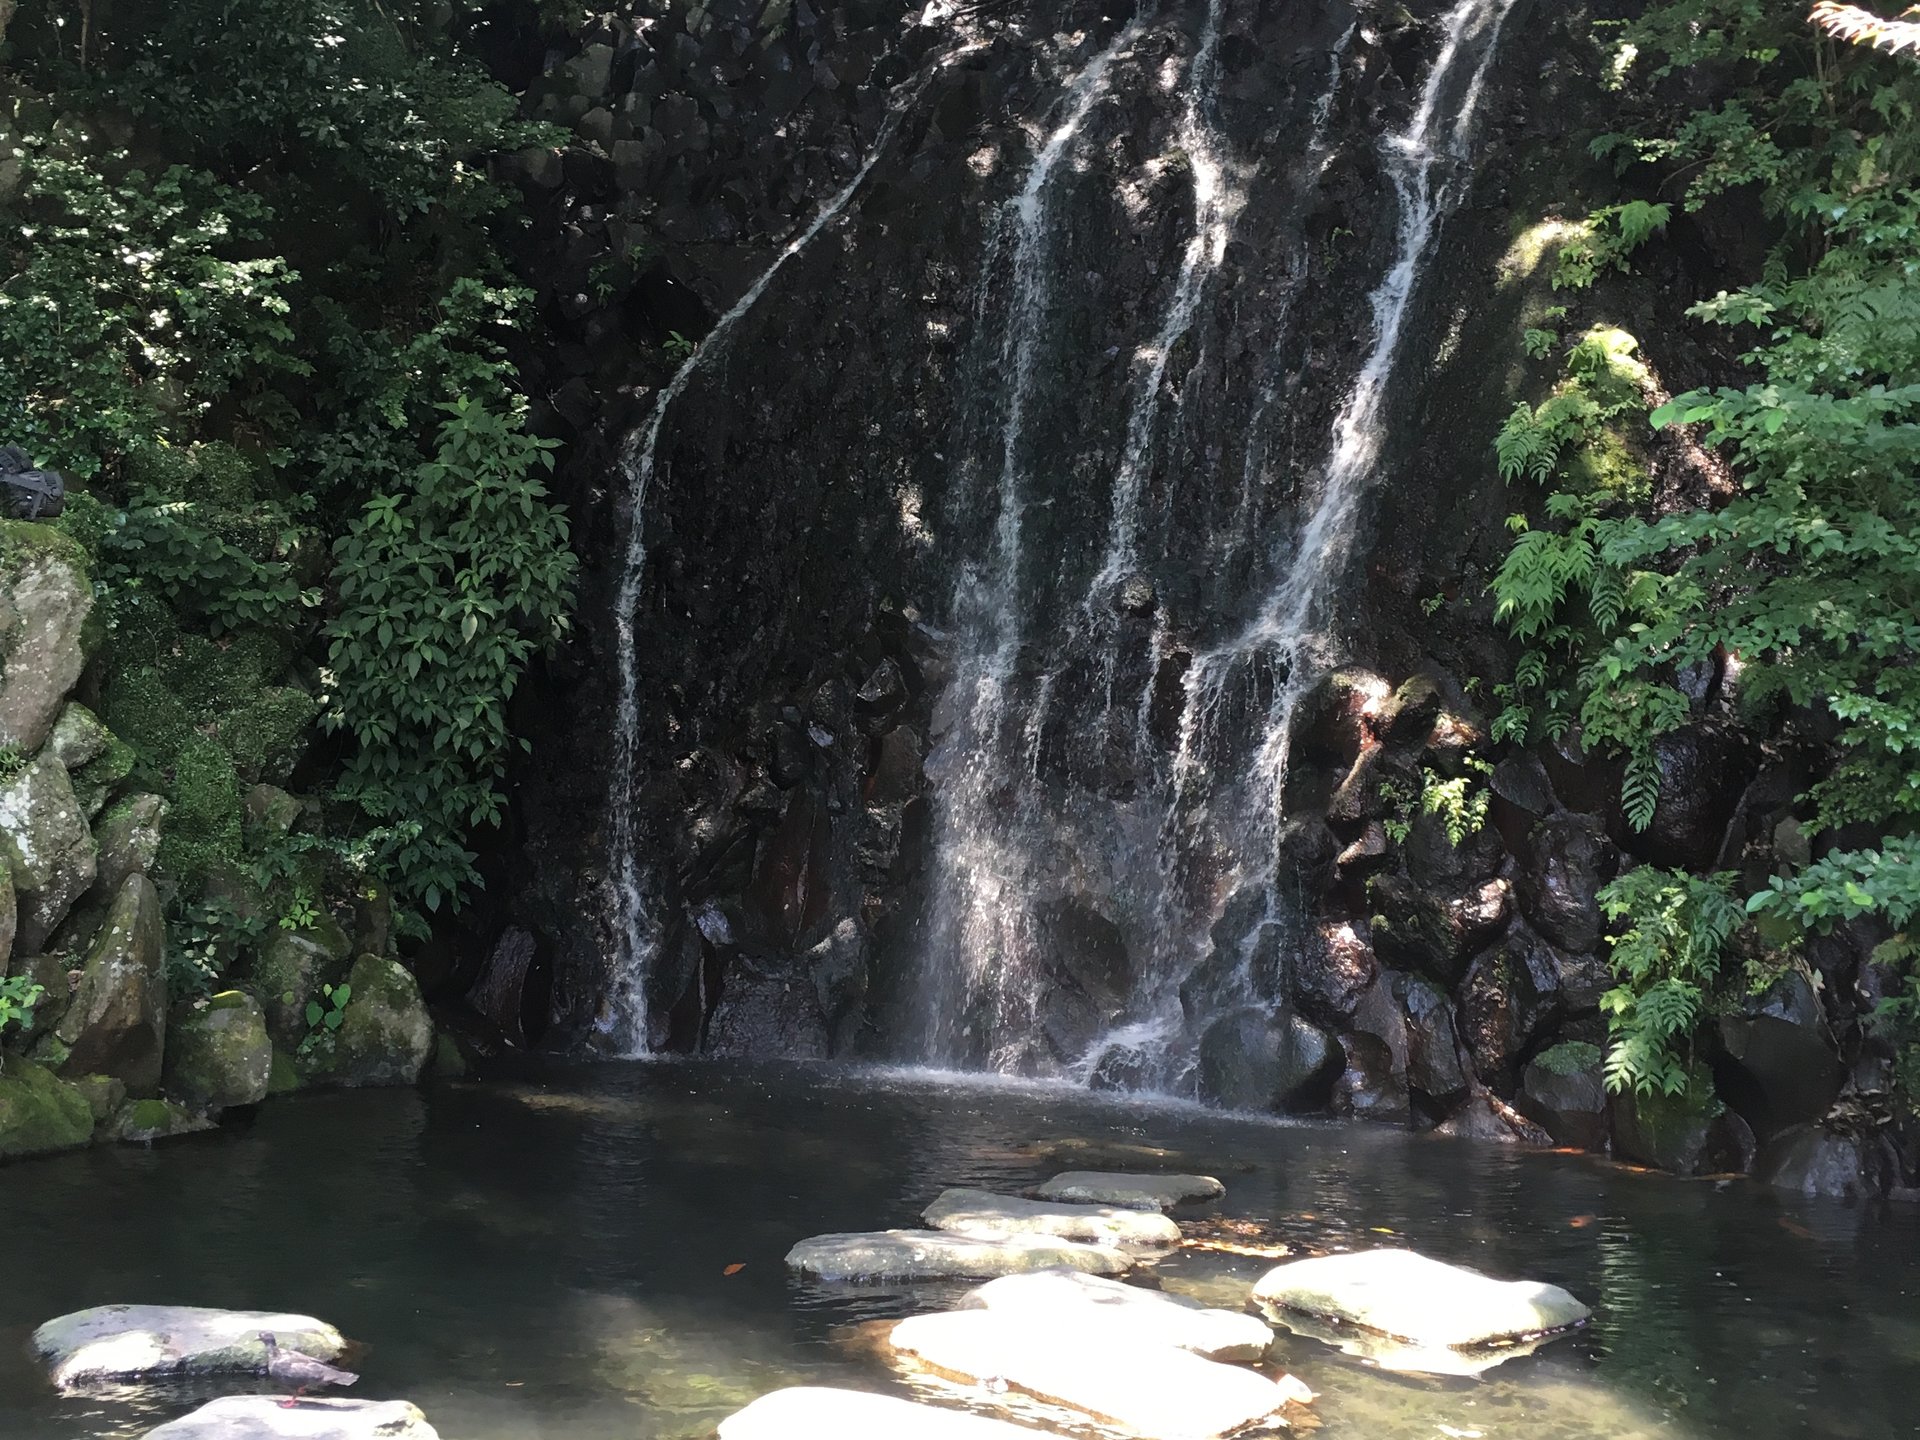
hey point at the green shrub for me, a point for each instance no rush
(446, 589)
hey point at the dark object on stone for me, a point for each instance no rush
(298, 1372)
(30, 493)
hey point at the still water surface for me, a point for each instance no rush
(544, 1258)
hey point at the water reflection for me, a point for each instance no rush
(549, 1258)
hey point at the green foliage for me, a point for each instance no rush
(1607, 238)
(368, 91)
(1460, 804)
(1666, 958)
(127, 301)
(329, 1011)
(1569, 1057)
(18, 996)
(678, 347)
(1540, 343)
(272, 477)
(446, 589)
(12, 762)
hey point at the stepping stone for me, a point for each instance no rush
(126, 1342)
(1419, 1300)
(1069, 1299)
(1133, 1192)
(936, 1255)
(813, 1412)
(1151, 1390)
(987, 1216)
(261, 1417)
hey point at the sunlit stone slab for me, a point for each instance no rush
(1068, 1298)
(1419, 1300)
(125, 1342)
(1134, 1192)
(809, 1412)
(987, 1215)
(1150, 1390)
(261, 1417)
(936, 1255)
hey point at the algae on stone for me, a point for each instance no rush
(39, 1112)
(218, 1054)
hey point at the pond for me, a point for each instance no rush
(548, 1257)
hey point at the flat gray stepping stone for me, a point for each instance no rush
(817, 1412)
(1132, 1192)
(261, 1417)
(1142, 1317)
(936, 1255)
(1419, 1300)
(1151, 1390)
(986, 1215)
(126, 1342)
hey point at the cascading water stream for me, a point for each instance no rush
(977, 916)
(624, 1023)
(1425, 164)
(1008, 835)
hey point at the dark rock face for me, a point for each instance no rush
(1808, 1160)
(1571, 1106)
(1255, 1061)
(1567, 860)
(1703, 771)
(1434, 1071)
(1780, 1067)
(1511, 999)
(1435, 931)
(1687, 1136)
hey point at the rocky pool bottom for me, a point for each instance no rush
(547, 1258)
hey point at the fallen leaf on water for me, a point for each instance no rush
(1234, 1247)
(1380, 1230)
(735, 1268)
(1795, 1229)
(1580, 1222)
(1459, 1434)
(515, 1384)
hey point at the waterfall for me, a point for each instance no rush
(978, 921)
(1192, 828)
(624, 1022)
(1215, 203)
(1426, 166)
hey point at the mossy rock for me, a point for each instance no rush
(95, 782)
(385, 1037)
(105, 1094)
(116, 1023)
(266, 737)
(46, 597)
(39, 1112)
(283, 1076)
(141, 1122)
(204, 825)
(79, 738)
(290, 969)
(218, 1054)
(448, 1061)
